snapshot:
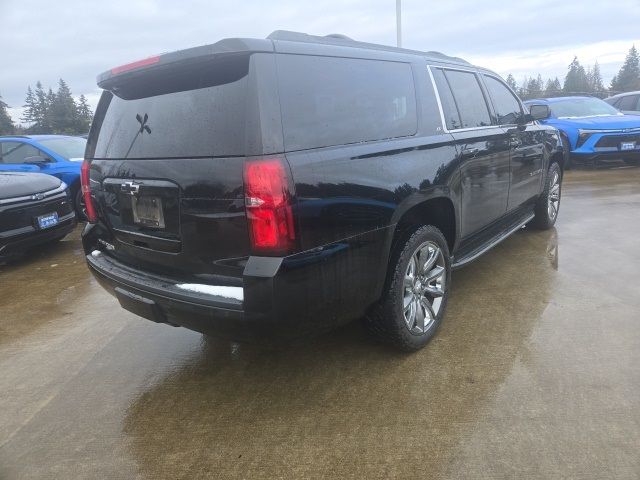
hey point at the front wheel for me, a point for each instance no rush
(79, 205)
(548, 205)
(416, 293)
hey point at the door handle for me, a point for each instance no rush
(470, 152)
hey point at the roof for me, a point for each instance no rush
(278, 41)
(37, 137)
(556, 99)
(624, 94)
(344, 41)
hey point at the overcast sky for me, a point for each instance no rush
(77, 39)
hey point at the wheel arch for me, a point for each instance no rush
(437, 209)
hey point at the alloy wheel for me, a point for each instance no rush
(424, 286)
(554, 196)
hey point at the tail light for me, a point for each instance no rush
(268, 204)
(145, 62)
(92, 217)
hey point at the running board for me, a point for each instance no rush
(476, 253)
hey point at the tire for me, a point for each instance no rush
(388, 320)
(78, 205)
(548, 205)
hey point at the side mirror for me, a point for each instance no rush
(36, 160)
(539, 112)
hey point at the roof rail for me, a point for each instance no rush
(15, 136)
(343, 40)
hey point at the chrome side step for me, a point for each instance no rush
(476, 253)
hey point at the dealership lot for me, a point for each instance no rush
(533, 373)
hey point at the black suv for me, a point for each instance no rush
(278, 187)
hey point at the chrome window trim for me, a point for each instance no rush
(24, 198)
(439, 102)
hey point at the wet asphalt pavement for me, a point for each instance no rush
(535, 373)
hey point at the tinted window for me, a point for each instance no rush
(333, 101)
(451, 116)
(16, 152)
(196, 115)
(505, 103)
(469, 99)
(628, 103)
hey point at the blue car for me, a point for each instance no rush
(57, 155)
(591, 129)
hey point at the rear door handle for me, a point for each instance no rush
(470, 152)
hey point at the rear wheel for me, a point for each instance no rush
(548, 205)
(416, 294)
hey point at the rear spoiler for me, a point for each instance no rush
(169, 61)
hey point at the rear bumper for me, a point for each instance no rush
(163, 300)
(276, 298)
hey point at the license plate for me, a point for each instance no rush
(48, 220)
(628, 146)
(147, 211)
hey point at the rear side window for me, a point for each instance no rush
(195, 113)
(506, 105)
(627, 103)
(333, 101)
(449, 109)
(467, 95)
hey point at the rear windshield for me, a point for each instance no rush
(333, 101)
(194, 113)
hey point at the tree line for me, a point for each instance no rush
(49, 112)
(58, 112)
(582, 81)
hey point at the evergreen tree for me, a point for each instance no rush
(64, 111)
(552, 87)
(534, 87)
(576, 80)
(522, 91)
(628, 78)
(595, 79)
(6, 124)
(41, 110)
(84, 115)
(512, 82)
(30, 106)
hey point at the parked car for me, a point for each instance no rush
(279, 187)
(626, 102)
(57, 155)
(34, 209)
(592, 130)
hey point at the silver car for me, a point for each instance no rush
(628, 102)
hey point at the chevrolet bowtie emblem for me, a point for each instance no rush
(131, 188)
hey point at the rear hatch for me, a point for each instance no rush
(167, 152)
